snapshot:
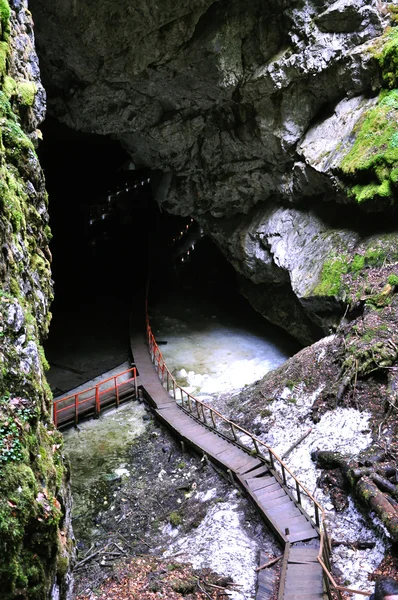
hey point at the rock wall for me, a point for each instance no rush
(257, 112)
(36, 542)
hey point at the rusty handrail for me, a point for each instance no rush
(319, 518)
(95, 395)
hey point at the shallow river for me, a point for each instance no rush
(212, 349)
(211, 352)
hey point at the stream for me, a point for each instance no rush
(117, 458)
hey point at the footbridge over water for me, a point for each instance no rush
(287, 507)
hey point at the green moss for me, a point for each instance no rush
(9, 86)
(393, 280)
(374, 155)
(331, 277)
(48, 233)
(387, 55)
(26, 91)
(175, 519)
(357, 263)
(5, 14)
(373, 158)
(27, 506)
(62, 565)
(3, 58)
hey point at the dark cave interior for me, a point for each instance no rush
(108, 234)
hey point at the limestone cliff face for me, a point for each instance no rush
(35, 531)
(250, 110)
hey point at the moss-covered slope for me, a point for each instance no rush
(372, 162)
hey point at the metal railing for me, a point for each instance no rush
(92, 396)
(228, 429)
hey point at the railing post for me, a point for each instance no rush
(328, 589)
(190, 403)
(76, 409)
(271, 458)
(255, 445)
(116, 393)
(167, 380)
(284, 475)
(316, 515)
(298, 493)
(233, 431)
(97, 401)
(174, 390)
(197, 408)
(135, 383)
(213, 419)
(203, 414)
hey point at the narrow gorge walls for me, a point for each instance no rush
(35, 533)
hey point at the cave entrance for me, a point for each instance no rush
(99, 209)
(107, 229)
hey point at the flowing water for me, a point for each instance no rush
(211, 353)
(211, 349)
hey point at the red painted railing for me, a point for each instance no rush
(91, 397)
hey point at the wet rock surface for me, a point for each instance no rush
(239, 110)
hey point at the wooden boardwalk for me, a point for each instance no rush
(301, 574)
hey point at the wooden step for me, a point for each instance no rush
(258, 483)
(305, 534)
(266, 504)
(259, 471)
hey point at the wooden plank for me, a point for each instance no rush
(280, 511)
(259, 471)
(271, 492)
(304, 554)
(304, 595)
(233, 458)
(306, 571)
(285, 500)
(248, 466)
(307, 534)
(271, 486)
(297, 520)
(260, 482)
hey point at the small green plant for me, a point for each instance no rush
(393, 280)
(357, 263)
(265, 412)
(175, 519)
